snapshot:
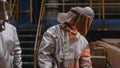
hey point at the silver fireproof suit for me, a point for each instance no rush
(58, 51)
(10, 50)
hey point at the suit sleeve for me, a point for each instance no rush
(46, 50)
(17, 51)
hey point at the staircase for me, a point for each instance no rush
(98, 53)
(27, 36)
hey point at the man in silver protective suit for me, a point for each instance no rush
(10, 50)
(64, 45)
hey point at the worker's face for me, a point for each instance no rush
(71, 25)
(73, 22)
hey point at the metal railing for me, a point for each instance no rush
(37, 41)
(27, 10)
(14, 7)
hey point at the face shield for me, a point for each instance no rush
(83, 23)
(82, 20)
(77, 18)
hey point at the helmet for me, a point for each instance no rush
(79, 17)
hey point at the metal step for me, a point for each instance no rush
(27, 26)
(27, 58)
(26, 44)
(29, 51)
(29, 37)
(28, 65)
(26, 31)
(99, 62)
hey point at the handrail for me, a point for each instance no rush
(94, 4)
(99, 10)
(103, 10)
(63, 5)
(91, 3)
(31, 11)
(37, 40)
(12, 6)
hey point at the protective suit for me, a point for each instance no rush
(62, 47)
(10, 50)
